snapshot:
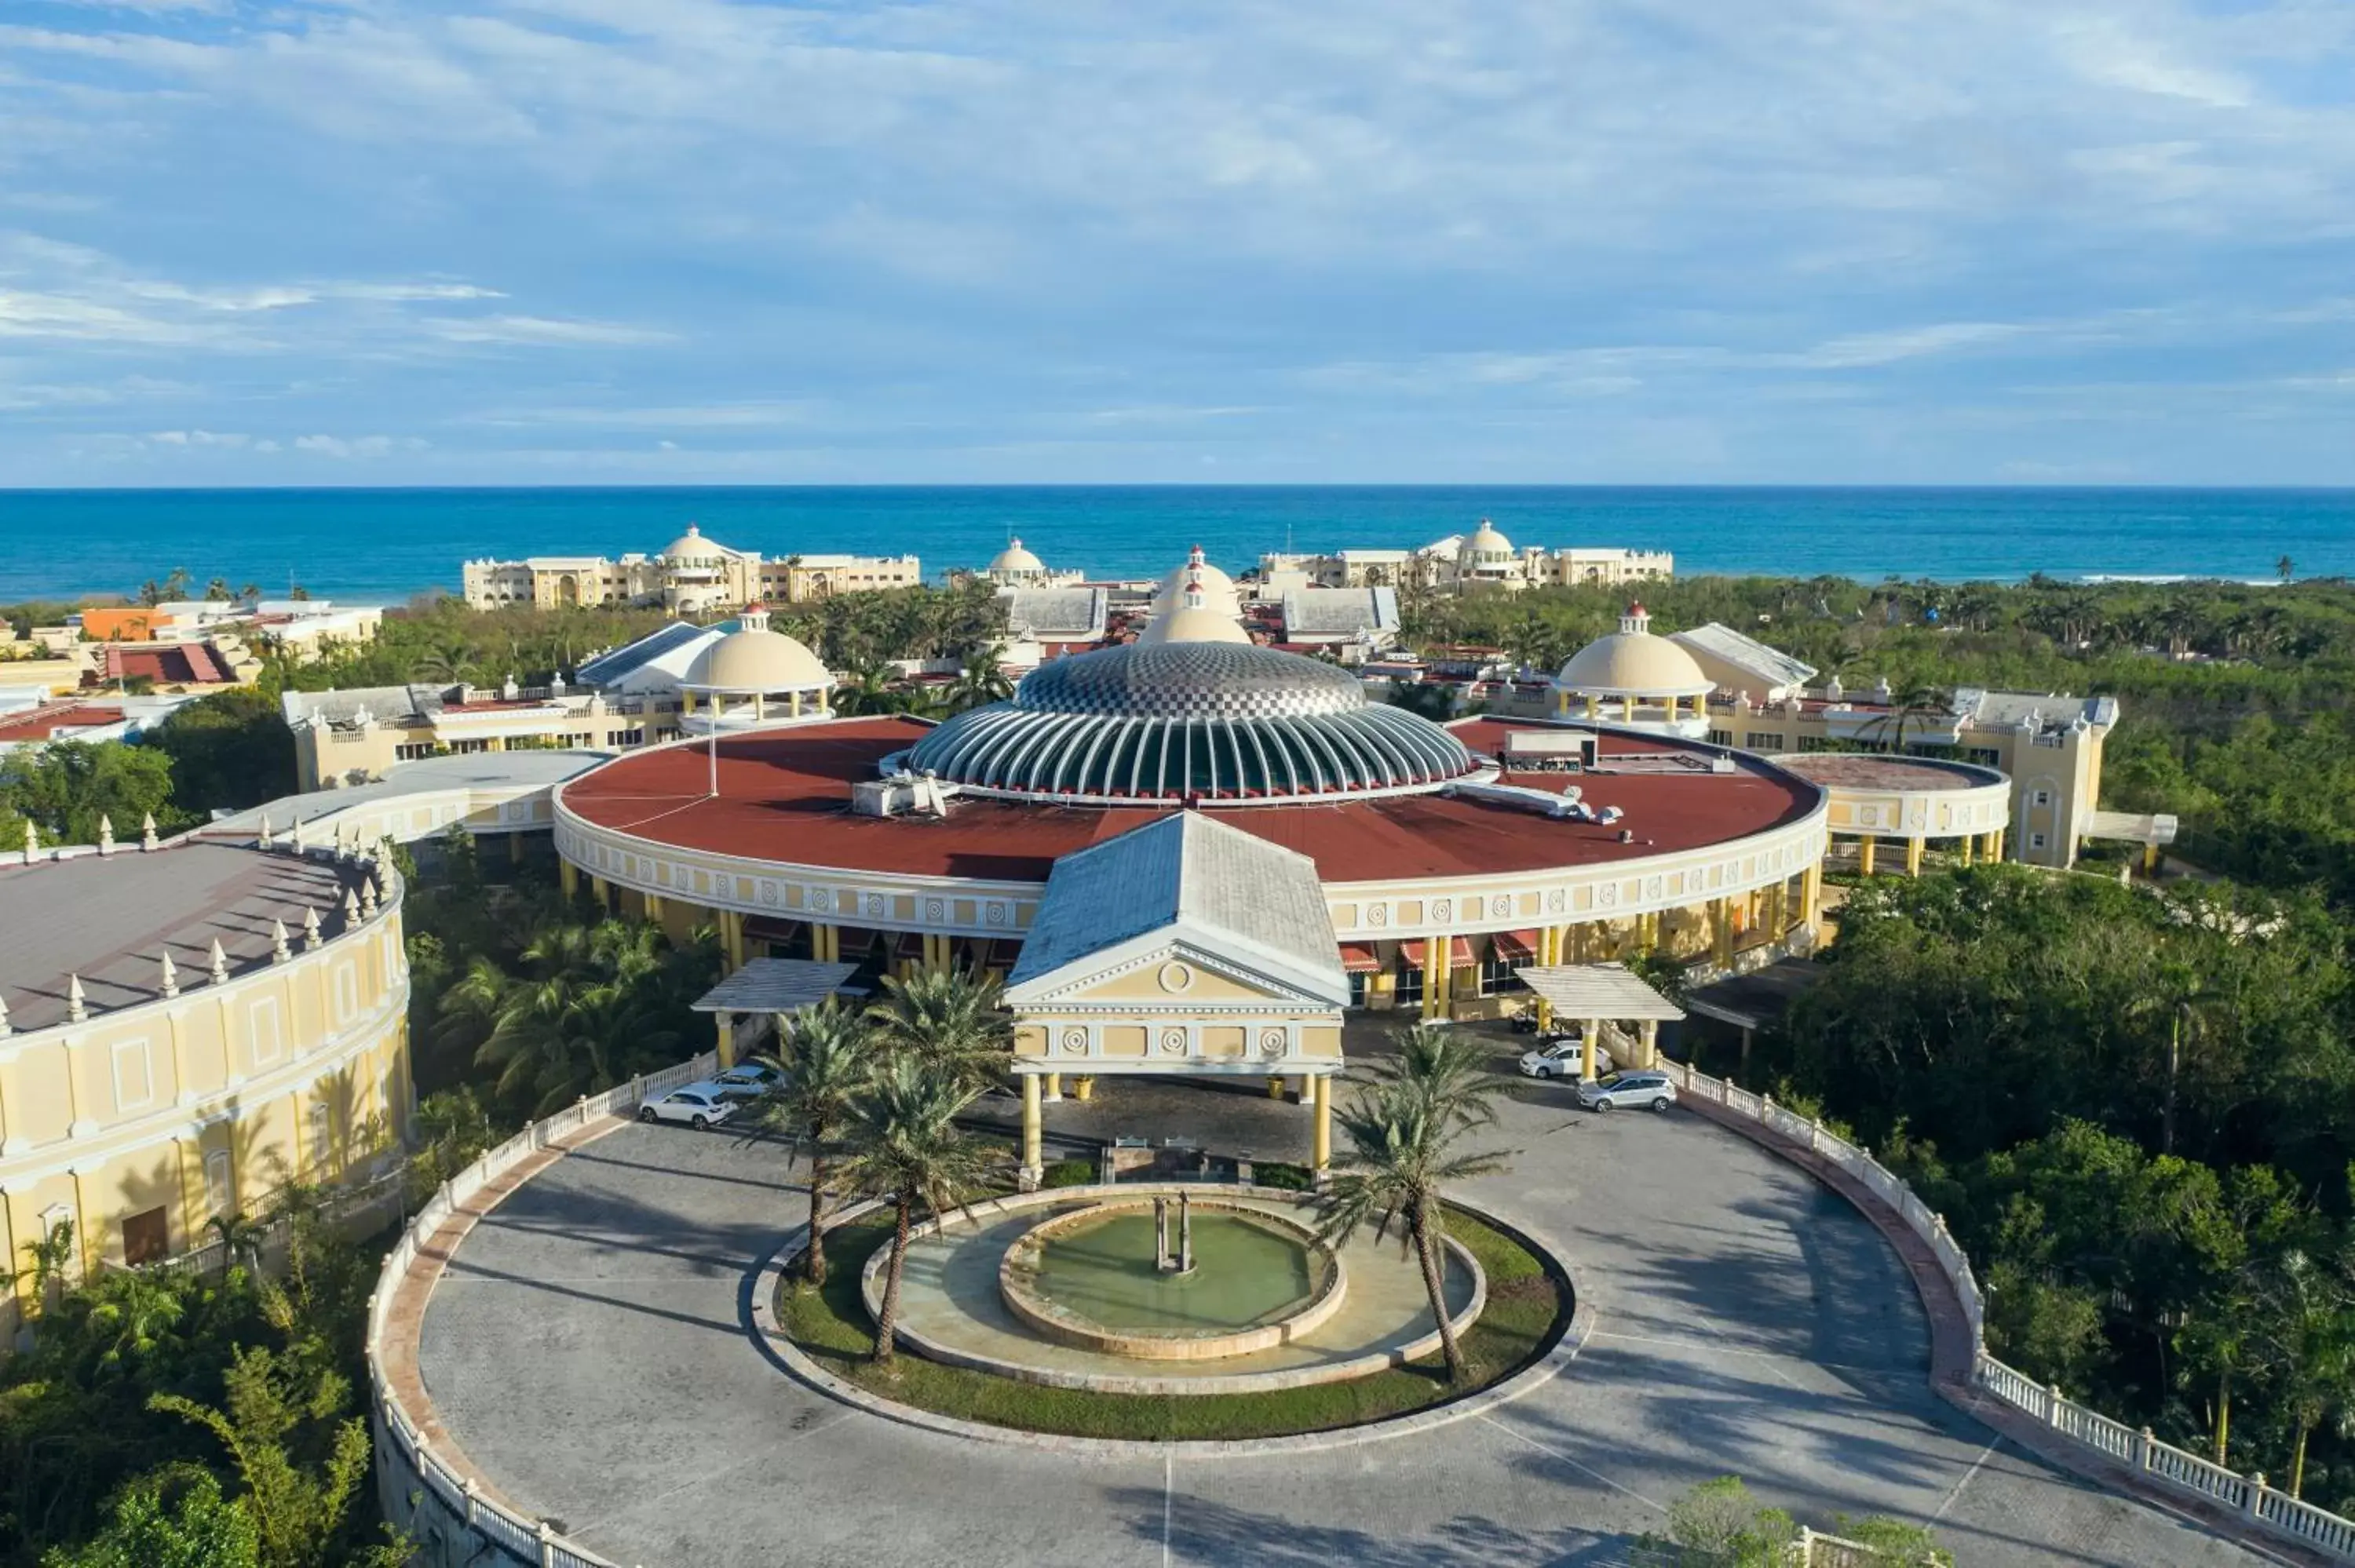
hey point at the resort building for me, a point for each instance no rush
(1443, 857)
(1354, 625)
(1017, 567)
(1043, 623)
(183, 1028)
(31, 718)
(693, 575)
(1718, 685)
(1485, 558)
(751, 678)
(355, 735)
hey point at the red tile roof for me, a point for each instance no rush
(785, 796)
(43, 723)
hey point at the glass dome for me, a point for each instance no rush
(1219, 723)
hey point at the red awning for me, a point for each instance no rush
(1360, 958)
(1516, 947)
(1459, 953)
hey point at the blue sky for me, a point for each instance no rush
(601, 241)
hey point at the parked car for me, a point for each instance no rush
(747, 1080)
(1562, 1057)
(699, 1105)
(1652, 1091)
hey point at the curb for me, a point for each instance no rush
(1552, 1363)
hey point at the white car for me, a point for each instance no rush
(1652, 1091)
(699, 1105)
(1562, 1059)
(747, 1080)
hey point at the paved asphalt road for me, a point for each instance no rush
(590, 1349)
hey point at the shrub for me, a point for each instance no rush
(1069, 1173)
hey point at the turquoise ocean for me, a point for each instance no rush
(386, 545)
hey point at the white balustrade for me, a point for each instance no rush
(2162, 1464)
(405, 1468)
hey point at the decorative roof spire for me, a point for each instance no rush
(310, 929)
(265, 838)
(77, 1005)
(755, 617)
(278, 953)
(296, 834)
(220, 964)
(147, 832)
(6, 1028)
(105, 833)
(170, 975)
(368, 897)
(1637, 621)
(351, 906)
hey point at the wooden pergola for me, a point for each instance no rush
(1596, 993)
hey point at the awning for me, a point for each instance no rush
(1514, 946)
(1360, 958)
(1459, 953)
(910, 947)
(778, 985)
(767, 928)
(1609, 991)
(1003, 955)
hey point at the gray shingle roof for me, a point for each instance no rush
(1340, 612)
(1771, 665)
(1193, 878)
(1056, 615)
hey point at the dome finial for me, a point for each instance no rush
(1637, 621)
(755, 617)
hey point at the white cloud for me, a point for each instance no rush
(540, 331)
(343, 448)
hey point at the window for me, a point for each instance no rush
(146, 1238)
(1984, 756)
(1721, 738)
(135, 1079)
(348, 995)
(2036, 840)
(262, 1022)
(58, 1214)
(1497, 975)
(1357, 990)
(220, 1193)
(2041, 798)
(1816, 742)
(1409, 990)
(322, 1133)
(1762, 740)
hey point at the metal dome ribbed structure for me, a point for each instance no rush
(1215, 722)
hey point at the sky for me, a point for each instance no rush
(1624, 241)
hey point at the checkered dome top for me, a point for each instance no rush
(1215, 722)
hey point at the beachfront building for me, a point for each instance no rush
(1016, 567)
(694, 575)
(1482, 559)
(184, 1029)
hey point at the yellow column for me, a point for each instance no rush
(1651, 1043)
(1275, 1086)
(1435, 975)
(1720, 931)
(515, 849)
(1586, 1049)
(603, 890)
(1969, 845)
(1032, 1164)
(1994, 844)
(191, 1156)
(826, 943)
(1323, 1145)
(568, 876)
(2149, 859)
(1083, 1088)
(794, 700)
(1811, 895)
(725, 1022)
(1054, 1085)
(1864, 854)
(1594, 705)
(1913, 857)
(654, 909)
(731, 934)
(1549, 955)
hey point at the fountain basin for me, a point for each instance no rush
(1088, 1278)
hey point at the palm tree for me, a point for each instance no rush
(828, 1061)
(2190, 1006)
(1448, 1070)
(980, 683)
(905, 1149)
(239, 1236)
(1913, 710)
(866, 688)
(134, 1312)
(2306, 1342)
(949, 1021)
(1400, 1158)
(47, 1255)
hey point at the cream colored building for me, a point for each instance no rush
(1634, 679)
(185, 1028)
(692, 576)
(352, 736)
(752, 679)
(1485, 558)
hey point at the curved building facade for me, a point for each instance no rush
(166, 1057)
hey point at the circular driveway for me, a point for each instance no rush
(590, 1349)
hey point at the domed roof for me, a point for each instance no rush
(1221, 722)
(692, 546)
(1486, 541)
(1015, 558)
(1632, 663)
(1217, 588)
(757, 659)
